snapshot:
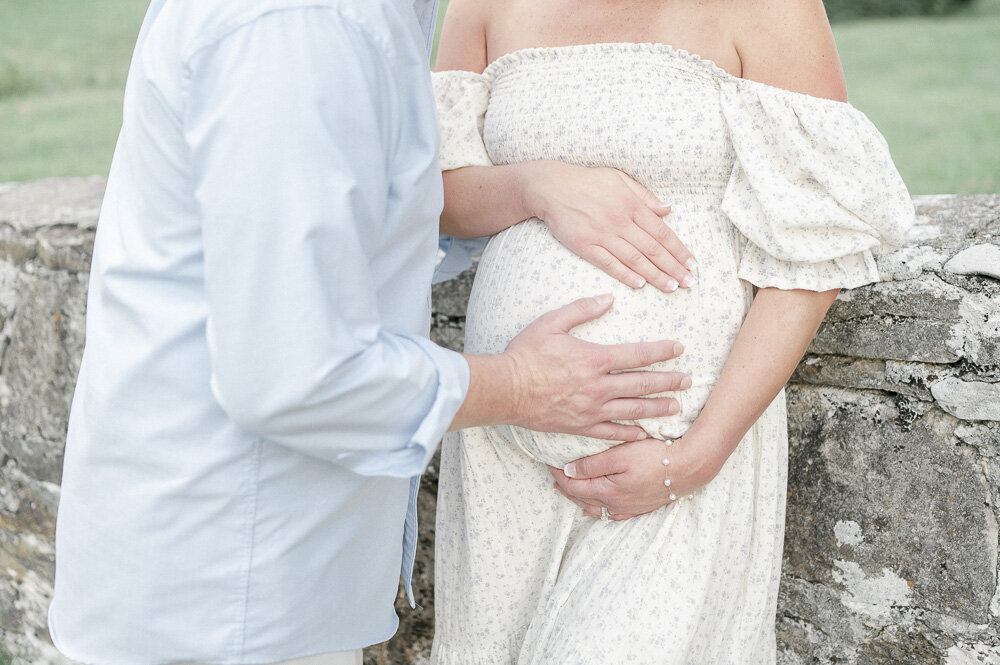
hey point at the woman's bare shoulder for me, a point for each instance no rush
(463, 35)
(788, 44)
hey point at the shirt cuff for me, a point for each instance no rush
(452, 387)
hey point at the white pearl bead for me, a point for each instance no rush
(665, 461)
(667, 482)
(673, 496)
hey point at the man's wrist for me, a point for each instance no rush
(494, 396)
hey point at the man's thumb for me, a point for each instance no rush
(580, 311)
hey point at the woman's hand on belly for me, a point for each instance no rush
(628, 479)
(601, 214)
(608, 219)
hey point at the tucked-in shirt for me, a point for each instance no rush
(258, 394)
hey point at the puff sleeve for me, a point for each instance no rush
(813, 189)
(461, 99)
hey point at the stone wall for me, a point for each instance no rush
(894, 485)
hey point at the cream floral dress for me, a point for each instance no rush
(769, 188)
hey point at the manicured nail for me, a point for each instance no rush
(691, 264)
(685, 383)
(570, 470)
(639, 283)
(604, 299)
(671, 285)
(688, 281)
(678, 348)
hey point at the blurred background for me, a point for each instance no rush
(925, 71)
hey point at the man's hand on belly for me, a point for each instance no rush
(549, 381)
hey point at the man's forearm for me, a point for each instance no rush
(774, 336)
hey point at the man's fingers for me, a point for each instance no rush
(606, 261)
(637, 409)
(647, 197)
(642, 354)
(643, 383)
(576, 313)
(615, 432)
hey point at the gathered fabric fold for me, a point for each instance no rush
(813, 189)
(462, 98)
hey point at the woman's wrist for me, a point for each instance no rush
(708, 449)
(532, 184)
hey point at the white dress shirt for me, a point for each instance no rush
(258, 393)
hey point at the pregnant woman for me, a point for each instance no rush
(780, 190)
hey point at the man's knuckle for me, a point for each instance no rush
(645, 355)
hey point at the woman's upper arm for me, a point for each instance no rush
(463, 37)
(789, 44)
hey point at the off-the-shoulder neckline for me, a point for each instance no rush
(653, 47)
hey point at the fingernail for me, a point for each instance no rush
(678, 348)
(671, 285)
(691, 264)
(639, 283)
(664, 203)
(687, 281)
(640, 436)
(686, 382)
(604, 299)
(570, 470)
(673, 408)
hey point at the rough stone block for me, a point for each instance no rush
(893, 518)
(40, 368)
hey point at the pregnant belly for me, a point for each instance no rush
(525, 272)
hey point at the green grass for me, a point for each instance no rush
(62, 70)
(930, 85)
(6, 658)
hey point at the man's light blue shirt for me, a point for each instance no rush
(257, 393)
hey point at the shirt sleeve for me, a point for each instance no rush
(291, 121)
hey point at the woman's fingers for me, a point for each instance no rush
(606, 261)
(656, 240)
(633, 258)
(660, 255)
(589, 509)
(647, 197)
(665, 236)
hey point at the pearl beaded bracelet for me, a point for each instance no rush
(666, 481)
(666, 463)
